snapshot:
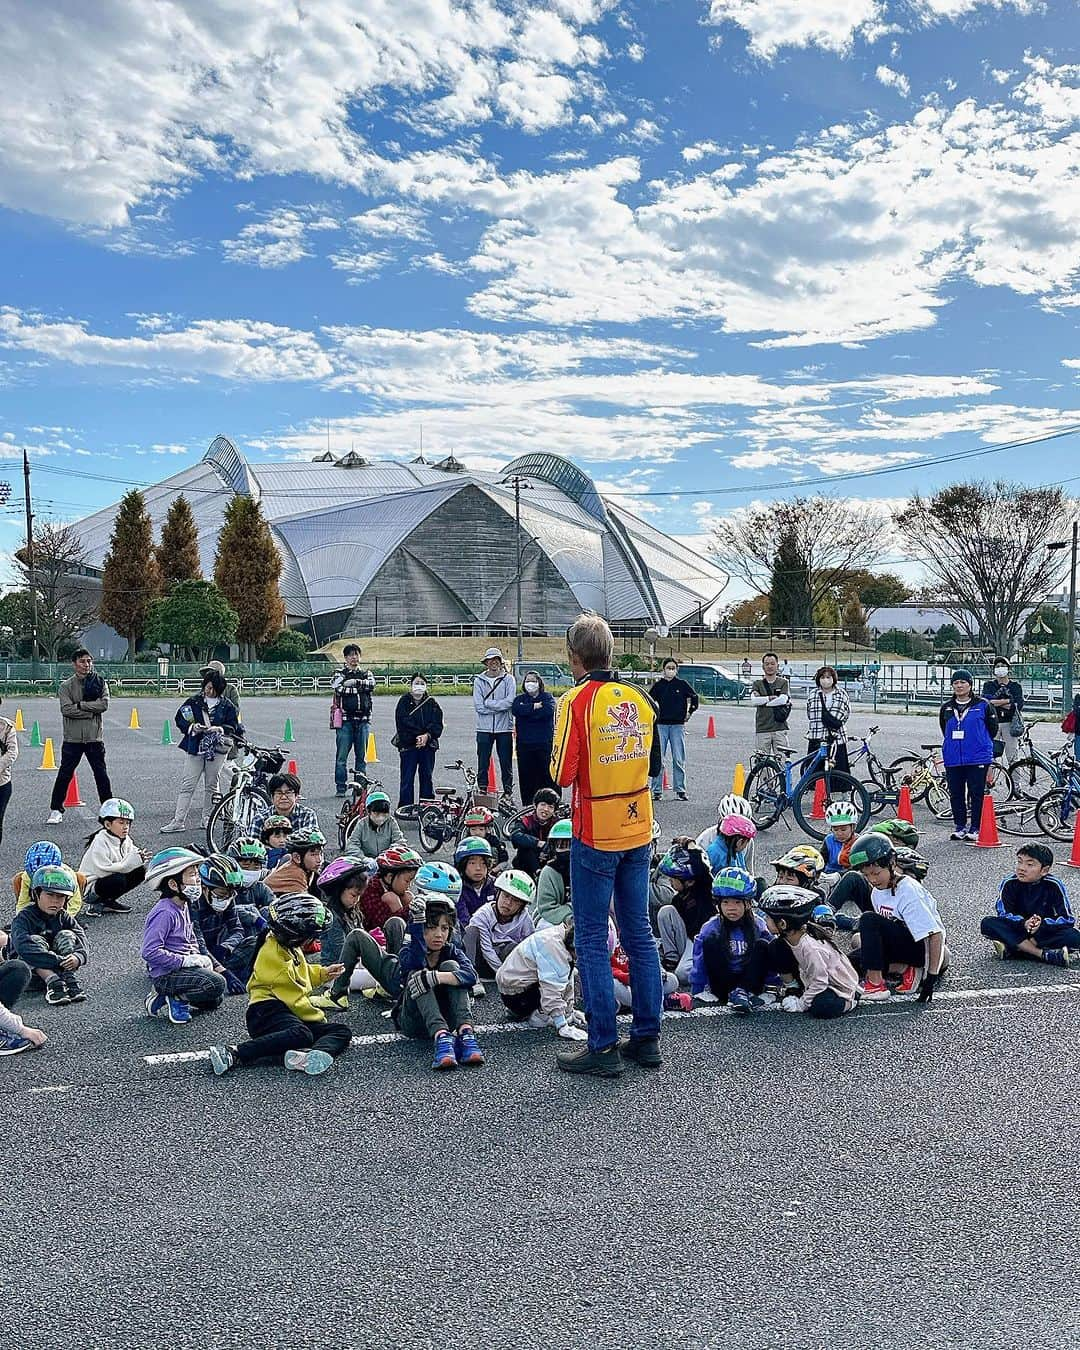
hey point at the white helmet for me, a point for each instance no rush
(733, 805)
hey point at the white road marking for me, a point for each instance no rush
(710, 1010)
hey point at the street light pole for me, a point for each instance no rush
(30, 568)
(517, 536)
(1070, 635)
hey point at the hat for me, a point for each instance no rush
(493, 654)
(962, 675)
(219, 666)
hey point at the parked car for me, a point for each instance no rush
(711, 680)
(554, 676)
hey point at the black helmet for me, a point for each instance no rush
(912, 862)
(221, 872)
(438, 907)
(298, 918)
(789, 902)
(871, 848)
(307, 836)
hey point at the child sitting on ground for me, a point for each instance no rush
(473, 859)
(112, 864)
(536, 981)
(389, 893)
(436, 973)
(620, 974)
(830, 985)
(273, 832)
(282, 1018)
(1033, 916)
(348, 943)
(217, 922)
(480, 823)
(180, 970)
(729, 964)
(552, 904)
(249, 854)
(499, 925)
(532, 829)
(687, 871)
(48, 939)
(376, 830)
(15, 1035)
(726, 845)
(298, 869)
(47, 854)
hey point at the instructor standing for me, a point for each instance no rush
(675, 702)
(606, 750)
(84, 697)
(493, 697)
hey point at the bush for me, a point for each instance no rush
(288, 645)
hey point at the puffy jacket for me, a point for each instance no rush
(9, 749)
(367, 841)
(223, 715)
(82, 716)
(979, 724)
(31, 923)
(493, 699)
(541, 959)
(534, 718)
(287, 975)
(107, 855)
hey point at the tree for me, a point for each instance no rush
(982, 547)
(853, 620)
(749, 613)
(790, 593)
(822, 540)
(948, 637)
(195, 616)
(15, 622)
(288, 645)
(876, 590)
(178, 553)
(247, 569)
(1048, 625)
(129, 579)
(67, 598)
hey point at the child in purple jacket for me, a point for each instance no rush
(179, 967)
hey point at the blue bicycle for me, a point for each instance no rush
(771, 789)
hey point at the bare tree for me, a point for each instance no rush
(799, 548)
(67, 598)
(982, 547)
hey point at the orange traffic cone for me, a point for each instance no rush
(988, 830)
(710, 730)
(1074, 856)
(492, 786)
(292, 767)
(818, 811)
(73, 798)
(903, 806)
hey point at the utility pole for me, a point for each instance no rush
(32, 572)
(1070, 641)
(517, 536)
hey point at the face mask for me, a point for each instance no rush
(220, 906)
(669, 674)
(377, 818)
(250, 878)
(1001, 672)
(531, 687)
(191, 892)
(826, 682)
(419, 690)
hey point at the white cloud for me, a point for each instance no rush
(635, 51)
(392, 220)
(692, 153)
(279, 238)
(893, 79)
(645, 132)
(360, 264)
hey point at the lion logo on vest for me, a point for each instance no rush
(625, 724)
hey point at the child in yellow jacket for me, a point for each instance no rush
(281, 1018)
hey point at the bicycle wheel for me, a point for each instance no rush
(839, 787)
(234, 817)
(1056, 813)
(906, 772)
(1018, 817)
(764, 790)
(1032, 780)
(1001, 789)
(435, 828)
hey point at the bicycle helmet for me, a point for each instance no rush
(438, 907)
(841, 813)
(561, 832)
(517, 885)
(824, 916)
(42, 854)
(438, 878)
(901, 832)
(308, 836)
(338, 874)
(298, 918)
(399, 860)
(803, 859)
(221, 871)
(676, 863)
(248, 850)
(273, 824)
(478, 818)
(733, 883)
(377, 801)
(911, 862)
(871, 848)
(472, 848)
(737, 827)
(54, 877)
(788, 902)
(115, 808)
(170, 862)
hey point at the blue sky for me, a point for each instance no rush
(702, 247)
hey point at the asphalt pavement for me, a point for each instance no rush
(899, 1177)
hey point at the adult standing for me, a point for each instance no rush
(419, 722)
(771, 700)
(236, 752)
(84, 698)
(209, 724)
(533, 712)
(1006, 696)
(606, 750)
(827, 713)
(350, 715)
(675, 702)
(9, 753)
(494, 692)
(968, 725)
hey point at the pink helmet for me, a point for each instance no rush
(738, 827)
(342, 870)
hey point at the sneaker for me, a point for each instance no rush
(55, 817)
(478, 990)
(682, 796)
(656, 796)
(156, 1004)
(874, 991)
(222, 1059)
(643, 1050)
(756, 1003)
(90, 910)
(845, 923)
(467, 1047)
(177, 1011)
(296, 1059)
(56, 991)
(769, 1000)
(960, 836)
(329, 1003)
(706, 996)
(173, 827)
(539, 1021)
(739, 1001)
(308, 1061)
(444, 1057)
(74, 989)
(1001, 949)
(600, 1063)
(972, 836)
(1056, 956)
(909, 981)
(110, 906)
(14, 1044)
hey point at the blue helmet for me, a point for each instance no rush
(42, 854)
(676, 862)
(472, 847)
(438, 878)
(824, 916)
(733, 883)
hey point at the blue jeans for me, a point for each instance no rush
(672, 738)
(350, 736)
(596, 878)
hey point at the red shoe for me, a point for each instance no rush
(909, 981)
(874, 991)
(678, 1002)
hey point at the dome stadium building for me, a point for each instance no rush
(393, 546)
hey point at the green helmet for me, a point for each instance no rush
(562, 829)
(871, 848)
(471, 847)
(901, 832)
(841, 813)
(306, 837)
(274, 824)
(248, 850)
(54, 878)
(518, 885)
(377, 801)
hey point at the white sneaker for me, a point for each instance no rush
(706, 996)
(539, 1020)
(55, 818)
(478, 990)
(173, 827)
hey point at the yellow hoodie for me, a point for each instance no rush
(285, 974)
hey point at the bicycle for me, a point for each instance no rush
(770, 791)
(354, 807)
(924, 777)
(441, 821)
(1035, 772)
(235, 814)
(883, 790)
(1056, 810)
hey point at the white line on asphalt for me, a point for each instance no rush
(716, 1010)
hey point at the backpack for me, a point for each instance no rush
(1068, 724)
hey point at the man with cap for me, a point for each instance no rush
(968, 725)
(1006, 696)
(493, 697)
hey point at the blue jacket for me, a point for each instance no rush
(221, 932)
(414, 953)
(223, 715)
(1019, 900)
(699, 978)
(534, 726)
(979, 725)
(831, 847)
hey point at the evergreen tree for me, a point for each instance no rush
(178, 552)
(791, 603)
(247, 569)
(194, 617)
(129, 581)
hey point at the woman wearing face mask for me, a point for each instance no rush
(534, 721)
(827, 711)
(419, 721)
(1006, 697)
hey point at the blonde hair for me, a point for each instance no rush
(591, 641)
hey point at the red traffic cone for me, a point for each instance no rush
(818, 811)
(710, 730)
(491, 784)
(292, 767)
(664, 784)
(1074, 856)
(988, 830)
(73, 798)
(903, 806)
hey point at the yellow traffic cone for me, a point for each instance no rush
(371, 755)
(738, 785)
(133, 720)
(48, 759)
(19, 724)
